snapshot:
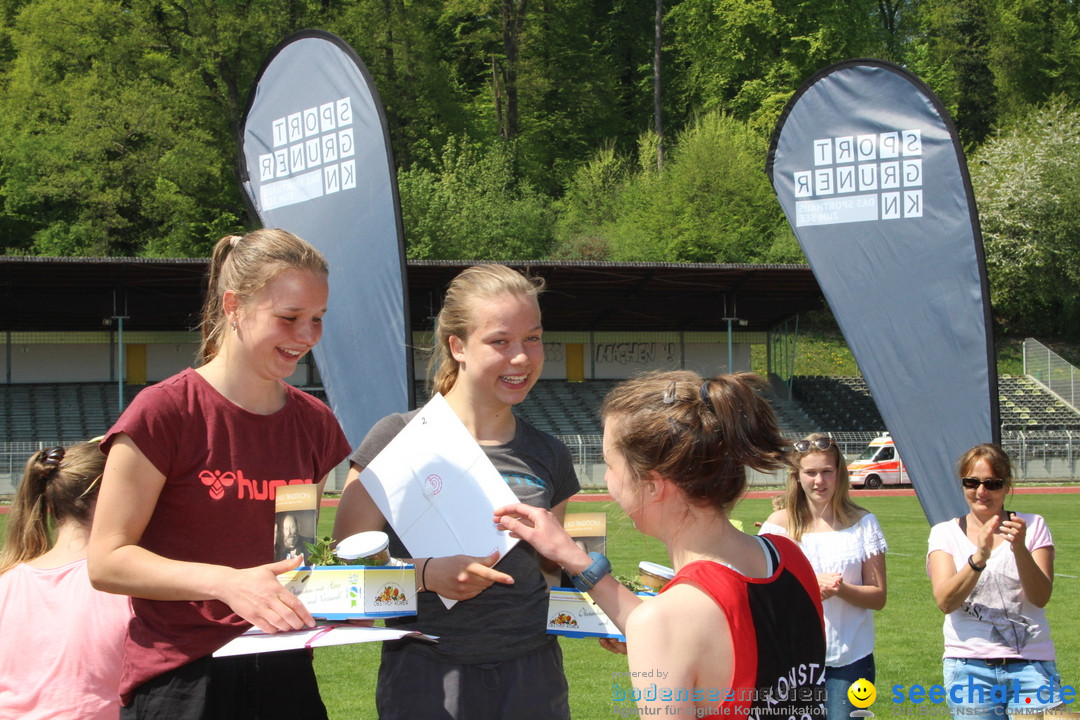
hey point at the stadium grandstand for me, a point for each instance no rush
(82, 336)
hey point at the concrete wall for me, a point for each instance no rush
(619, 360)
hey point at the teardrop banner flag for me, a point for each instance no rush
(867, 166)
(315, 160)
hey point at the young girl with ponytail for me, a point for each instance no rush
(62, 644)
(186, 521)
(494, 658)
(740, 625)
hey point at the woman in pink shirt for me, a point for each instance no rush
(992, 573)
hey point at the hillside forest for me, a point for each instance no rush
(622, 130)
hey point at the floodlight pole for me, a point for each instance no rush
(120, 360)
(119, 353)
(730, 347)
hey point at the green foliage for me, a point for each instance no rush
(589, 204)
(711, 203)
(739, 56)
(990, 60)
(409, 48)
(1010, 355)
(1034, 55)
(1027, 182)
(952, 55)
(321, 552)
(473, 207)
(523, 130)
(120, 119)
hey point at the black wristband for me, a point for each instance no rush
(971, 563)
(423, 576)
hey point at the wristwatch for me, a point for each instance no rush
(592, 574)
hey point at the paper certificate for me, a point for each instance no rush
(256, 641)
(437, 488)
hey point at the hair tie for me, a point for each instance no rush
(51, 458)
(703, 393)
(234, 240)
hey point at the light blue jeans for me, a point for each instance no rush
(837, 682)
(977, 689)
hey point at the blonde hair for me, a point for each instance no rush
(995, 457)
(699, 433)
(58, 485)
(244, 264)
(800, 516)
(457, 316)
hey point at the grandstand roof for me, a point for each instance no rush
(70, 294)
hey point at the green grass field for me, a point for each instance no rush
(909, 644)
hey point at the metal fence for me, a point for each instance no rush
(1036, 456)
(1053, 371)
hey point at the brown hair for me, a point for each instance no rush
(700, 434)
(995, 457)
(456, 318)
(799, 515)
(245, 264)
(58, 484)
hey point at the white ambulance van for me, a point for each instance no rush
(878, 465)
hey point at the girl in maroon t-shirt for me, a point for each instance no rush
(185, 521)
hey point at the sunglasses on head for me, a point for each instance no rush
(972, 483)
(818, 444)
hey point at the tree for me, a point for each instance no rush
(496, 29)
(86, 113)
(1035, 53)
(589, 204)
(121, 119)
(711, 203)
(473, 208)
(409, 49)
(952, 55)
(559, 77)
(1027, 183)
(747, 56)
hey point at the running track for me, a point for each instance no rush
(757, 494)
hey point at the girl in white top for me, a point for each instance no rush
(846, 547)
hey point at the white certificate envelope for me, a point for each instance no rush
(437, 488)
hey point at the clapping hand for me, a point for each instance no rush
(829, 584)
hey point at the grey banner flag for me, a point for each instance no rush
(867, 166)
(315, 160)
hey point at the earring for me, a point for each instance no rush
(234, 325)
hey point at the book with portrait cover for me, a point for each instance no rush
(295, 520)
